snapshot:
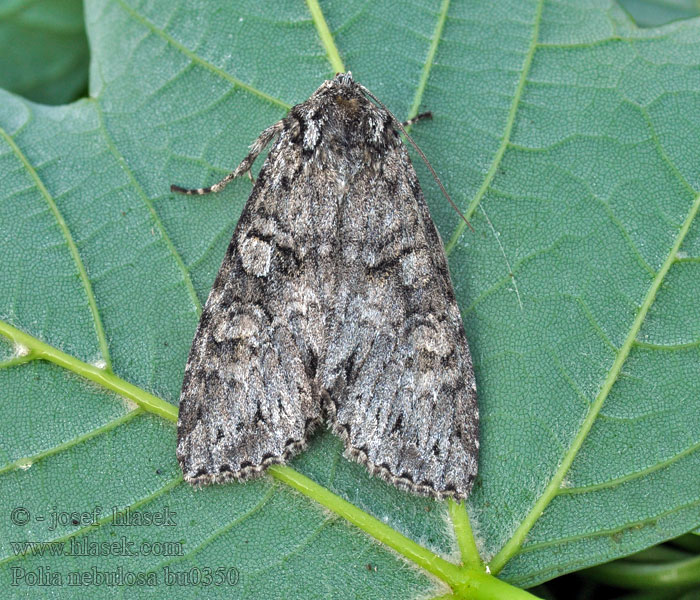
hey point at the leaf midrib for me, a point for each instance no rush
(381, 531)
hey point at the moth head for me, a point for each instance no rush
(342, 83)
(346, 115)
(342, 88)
(344, 79)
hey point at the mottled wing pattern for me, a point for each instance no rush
(247, 399)
(334, 296)
(398, 372)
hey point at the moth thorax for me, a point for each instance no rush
(349, 105)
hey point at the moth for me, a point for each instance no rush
(333, 303)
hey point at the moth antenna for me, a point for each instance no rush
(498, 240)
(255, 149)
(420, 152)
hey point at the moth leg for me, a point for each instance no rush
(255, 149)
(420, 117)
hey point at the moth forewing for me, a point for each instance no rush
(333, 300)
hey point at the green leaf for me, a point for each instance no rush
(43, 49)
(650, 13)
(569, 138)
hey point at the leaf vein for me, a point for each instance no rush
(200, 61)
(221, 530)
(283, 558)
(514, 544)
(83, 437)
(72, 247)
(106, 520)
(510, 122)
(325, 35)
(429, 59)
(607, 532)
(631, 476)
(189, 286)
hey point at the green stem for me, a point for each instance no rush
(632, 575)
(463, 532)
(381, 531)
(42, 350)
(467, 582)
